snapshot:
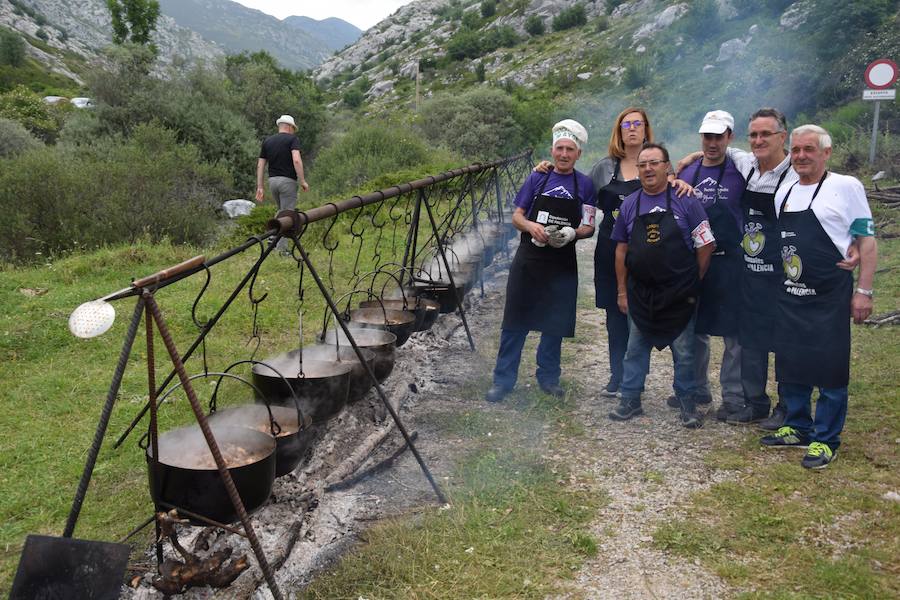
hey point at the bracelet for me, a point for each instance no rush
(865, 292)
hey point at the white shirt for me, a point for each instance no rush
(841, 202)
(762, 182)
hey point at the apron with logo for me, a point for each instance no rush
(543, 282)
(663, 276)
(720, 292)
(763, 273)
(812, 337)
(609, 199)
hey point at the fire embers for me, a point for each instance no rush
(176, 576)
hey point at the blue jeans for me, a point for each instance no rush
(510, 355)
(637, 363)
(831, 412)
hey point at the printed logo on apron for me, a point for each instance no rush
(754, 239)
(542, 217)
(793, 265)
(653, 233)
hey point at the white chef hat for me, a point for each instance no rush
(570, 129)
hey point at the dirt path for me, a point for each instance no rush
(647, 467)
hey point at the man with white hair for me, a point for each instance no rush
(552, 211)
(818, 218)
(282, 154)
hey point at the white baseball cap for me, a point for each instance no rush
(286, 119)
(570, 129)
(717, 121)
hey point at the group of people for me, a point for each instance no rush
(758, 248)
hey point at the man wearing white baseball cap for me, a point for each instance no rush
(282, 154)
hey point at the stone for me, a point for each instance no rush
(237, 208)
(795, 15)
(731, 49)
(662, 21)
(584, 76)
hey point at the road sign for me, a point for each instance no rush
(881, 74)
(879, 94)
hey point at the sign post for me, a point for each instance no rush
(881, 74)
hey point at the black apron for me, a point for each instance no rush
(720, 290)
(609, 199)
(543, 282)
(663, 276)
(812, 339)
(763, 273)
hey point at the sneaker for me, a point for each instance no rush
(818, 456)
(496, 394)
(747, 415)
(553, 389)
(776, 419)
(725, 410)
(672, 401)
(785, 437)
(626, 409)
(611, 389)
(690, 418)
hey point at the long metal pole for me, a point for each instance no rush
(874, 133)
(213, 445)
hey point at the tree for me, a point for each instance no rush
(133, 20)
(12, 48)
(534, 25)
(569, 18)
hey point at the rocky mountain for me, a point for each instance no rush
(296, 42)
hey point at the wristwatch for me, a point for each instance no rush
(865, 292)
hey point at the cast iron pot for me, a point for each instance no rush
(322, 388)
(186, 475)
(399, 322)
(443, 292)
(360, 382)
(379, 341)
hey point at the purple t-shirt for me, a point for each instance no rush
(558, 186)
(730, 189)
(687, 210)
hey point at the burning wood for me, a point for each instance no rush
(176, 576)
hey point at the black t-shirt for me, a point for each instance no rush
(276, 149)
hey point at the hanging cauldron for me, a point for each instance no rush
(399, 322)
(186, 475)
(379, 341)
(360, 382)
(322, 387)
(425, 309)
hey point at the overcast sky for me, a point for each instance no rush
(362, 13)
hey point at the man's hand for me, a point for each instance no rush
(682, 187)
(540, 235)
(622, 301)
(860, 307)
(563, 236)
(304, 186)
(545, 166)
(260, 194)
(849, 263)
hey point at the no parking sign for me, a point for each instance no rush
(880, 76)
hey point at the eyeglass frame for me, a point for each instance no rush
(634, 124)
(650, 163)
(764, 135)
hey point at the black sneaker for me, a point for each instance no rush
(626, 410)
(818, 456)
(747, 415)
(776, 419)
(725, 410)
(611, 389)
(690, 418)
(496, 394)
(672, 401)
(553, 389)
(785, 437)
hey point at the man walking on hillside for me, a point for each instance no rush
(282, 153)
(719, 185)
(818, 219)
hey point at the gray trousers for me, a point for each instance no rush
(284, 192)
(754, 376)
(729, 374)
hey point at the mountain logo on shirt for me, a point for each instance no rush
(559, 191)
(709, 181)
(754, 239)
(793, 266)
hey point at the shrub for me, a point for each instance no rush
(568, 18)
(353, 98)
(27, 108)
(612, 5)
(488, 8)
(15, 139)
(464, 44)
(534, 25)
(601, 24)
(12, 48)
(471, 20)
(638, 73)
(62, 198)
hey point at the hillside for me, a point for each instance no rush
(590, 59)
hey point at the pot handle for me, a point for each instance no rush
(302, 419)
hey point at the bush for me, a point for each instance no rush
(15, 139)
(28, 109)
(601, 24)
(353, 98)
(573, 16)
(488, 8)
(471, 20)
(464, 44)
(64, 198)
(12, 48)
(638, 73)
(534, 25)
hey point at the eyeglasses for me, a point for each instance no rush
(650, 163)
(762, 134)
(632, 124)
